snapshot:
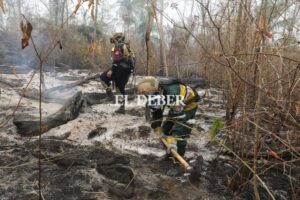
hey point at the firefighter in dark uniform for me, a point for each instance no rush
(122, 66)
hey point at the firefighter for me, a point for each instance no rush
(122, 66)
(162, 93)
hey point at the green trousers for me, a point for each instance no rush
(179, 127)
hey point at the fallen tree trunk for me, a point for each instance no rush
(198, 82)
(12, 82)
(11, 69)
(63, 65)
(94, 98)
(31, 127)
(90, 98)
(71, 85)
(97, 98)
(195, 82)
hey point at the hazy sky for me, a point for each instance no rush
(111, 14)
(112, 7)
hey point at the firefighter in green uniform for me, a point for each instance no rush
(176, 127)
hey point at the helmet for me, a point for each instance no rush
(149, 85)
(117, 37)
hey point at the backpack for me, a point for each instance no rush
(163, 81)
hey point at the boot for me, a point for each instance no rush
(109, 95)
(121, 110)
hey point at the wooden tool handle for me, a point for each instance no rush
(177, 156)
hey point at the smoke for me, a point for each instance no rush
(59, 96)
(11, 52)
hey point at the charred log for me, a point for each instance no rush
(94, 98)
(12, 82)
(31, 127)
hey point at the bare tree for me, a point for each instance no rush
(150, 62)
(163, 58)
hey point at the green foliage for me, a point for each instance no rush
(216, 126)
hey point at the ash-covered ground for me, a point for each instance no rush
(103, 155)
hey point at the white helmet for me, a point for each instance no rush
(149, 85)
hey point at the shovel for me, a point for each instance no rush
(193, 169)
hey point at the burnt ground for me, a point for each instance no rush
(85, 172)
(101, 155)
(71, 172)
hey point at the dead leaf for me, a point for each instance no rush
(269, 34)
(60, 45)
(274, 50)
(26, 29)
(14, 71)
(93, 13)
(297, 108)
(2, 6)
(264, 27)
(79, 3)
(91, 2)
(274, 154)
(91, 6)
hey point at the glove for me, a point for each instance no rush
(109, 74)
(172, 143)
(158, 130)
(155, 102)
